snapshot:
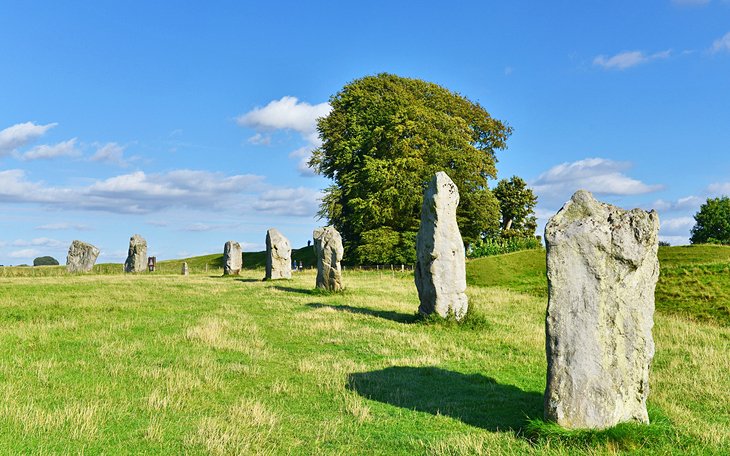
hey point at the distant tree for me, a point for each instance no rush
(664, 244)
(712, 222)
(45, 261)
(517, 208)
(383, 141)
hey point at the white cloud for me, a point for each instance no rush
(44, 151)
(719, 189)
(62, 226)
(685, 203)
(21, 134)
(38, 242)
(676, 226)
(675, 240)
(141, 193)
(289, 201)
(721, 44)
(598, 175)
(24, 253)
(110, 153)
(628, 59)
(288, 113)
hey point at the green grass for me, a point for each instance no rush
(694, 281)
(165, 364)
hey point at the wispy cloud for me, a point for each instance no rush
(45, 151)
(61, 226)
(24, 253)
(289, 201)
(721, 44)
(110, 153)
(21, 134)
(628, 59)
(287, 113)
(39, 242)
(598, 175)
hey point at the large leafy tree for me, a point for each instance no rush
(384, 139)
(712, 222)
(517, 208)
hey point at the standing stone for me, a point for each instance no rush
(137, 256)
(184, 271)
(440, 259)
(278, 256)
(81, 257)
(329, 250)
(602, 268)
(232, 258)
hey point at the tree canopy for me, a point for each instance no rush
(517, 208)
(712, 222)
(384, 139)
(45, 261)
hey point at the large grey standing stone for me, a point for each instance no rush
(440, 260)
(232, 258)
(278, 255)
(81, 257)
(137, 256)
(329, 250)
(602, 268)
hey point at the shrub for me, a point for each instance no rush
(45, 261)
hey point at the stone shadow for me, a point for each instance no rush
(294, 290)
(474, 399)
(247, 280)
(385, 314)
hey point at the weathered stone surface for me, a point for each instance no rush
(81, 257)
(137, 256)
(232, 258)
(440, 258)
(602, 268)
(278, 255)
(184, 271)
(329, 250)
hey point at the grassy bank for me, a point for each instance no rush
(211, 365)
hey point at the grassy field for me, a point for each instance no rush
(158, 363)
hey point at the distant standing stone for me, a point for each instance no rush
(440, 259)
(184, 270)
(329, 250)
(602, 268)
(278, 256)
(232, 258)
(137, 256)
(81, 257)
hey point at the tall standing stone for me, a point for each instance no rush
(232, 258)
(440, 258)
(137, 256)
(329, 250)
(184, 270)
(278, 255)
(602, 268)
(81, 257)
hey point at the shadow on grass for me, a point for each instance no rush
(295, 290)
(472, 398)
(247, 280)
(385, 314)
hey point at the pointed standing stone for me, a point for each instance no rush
(232, 258)
(602, 268)
(440, 259)
(81, 257)
(137, 256)
(329, 250)
(278, 256)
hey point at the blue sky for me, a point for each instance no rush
(188, 122)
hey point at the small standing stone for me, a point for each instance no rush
(137, 256)
(440, 259)
(278, 256)
(81, 257)
(184, 270)
(232, 258)
(602, 268)
(329, 250)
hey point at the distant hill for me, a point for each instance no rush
(694, 280)
(251, 260)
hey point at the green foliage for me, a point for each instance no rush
(45, 261)
(517, 208)
(487, 247)
(712, 222)
(384, 139)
